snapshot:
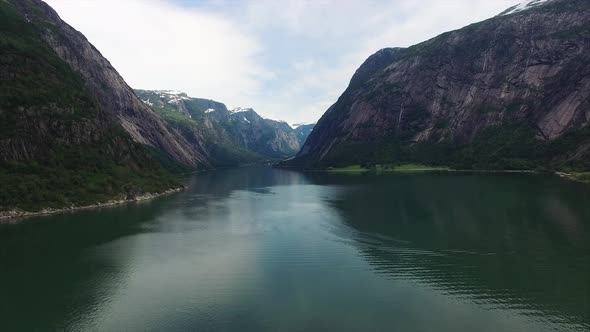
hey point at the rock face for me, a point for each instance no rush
(303, 131)
(269, 138)
(113, 101)
(229, 136)
(510, 92)
(72, 133)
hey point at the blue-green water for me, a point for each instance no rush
(261, 249)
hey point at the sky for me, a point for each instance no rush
(288, 59)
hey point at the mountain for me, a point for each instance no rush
(71, 131)
(269, 138)
(302, 131)
(230, 137)
(523, 6)
(511, 92)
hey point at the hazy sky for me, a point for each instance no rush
(288, 59)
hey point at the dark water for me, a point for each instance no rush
(258, 249)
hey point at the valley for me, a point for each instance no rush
(445, 185)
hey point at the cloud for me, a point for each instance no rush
(303, 65)
(288, 59)
(339, 35)
(158, 45)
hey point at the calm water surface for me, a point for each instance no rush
(259, 249)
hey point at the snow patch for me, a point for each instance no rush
(209, 111)
(171, 92)
(524, 6)
(147, 102)
(275, 120)
(240, 110)
(174, 97)
(246, 120)
(176, 100)
(297, 125)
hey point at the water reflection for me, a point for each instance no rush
(520, 243)
(258, 249)
(48, 279)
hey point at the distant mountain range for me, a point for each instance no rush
(511, 92)
(230, 137)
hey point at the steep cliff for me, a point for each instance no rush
(303, 131)
(270, 138)
(510, 92)
(113, 97)
(71, 130)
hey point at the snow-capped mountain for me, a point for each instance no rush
(240, 110)
(239, 135)
(297, 125)
(524, 6)
(174, 97)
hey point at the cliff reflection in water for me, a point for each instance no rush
(499, 241)
(261, 249)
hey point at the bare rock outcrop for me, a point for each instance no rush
(514, 89)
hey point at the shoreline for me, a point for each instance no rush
(18, 214)
(563, 175)
(426, 169)
(422, 170)
(571, 177)
(11, 215)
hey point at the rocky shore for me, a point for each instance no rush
(14, 214)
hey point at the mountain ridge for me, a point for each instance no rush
(523, 6)
(240, 132)
(506, 93)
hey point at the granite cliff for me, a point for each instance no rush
(71, 130)
(511, 92)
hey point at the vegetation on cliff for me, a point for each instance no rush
(57, 148)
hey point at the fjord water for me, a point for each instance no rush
(262, 249)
